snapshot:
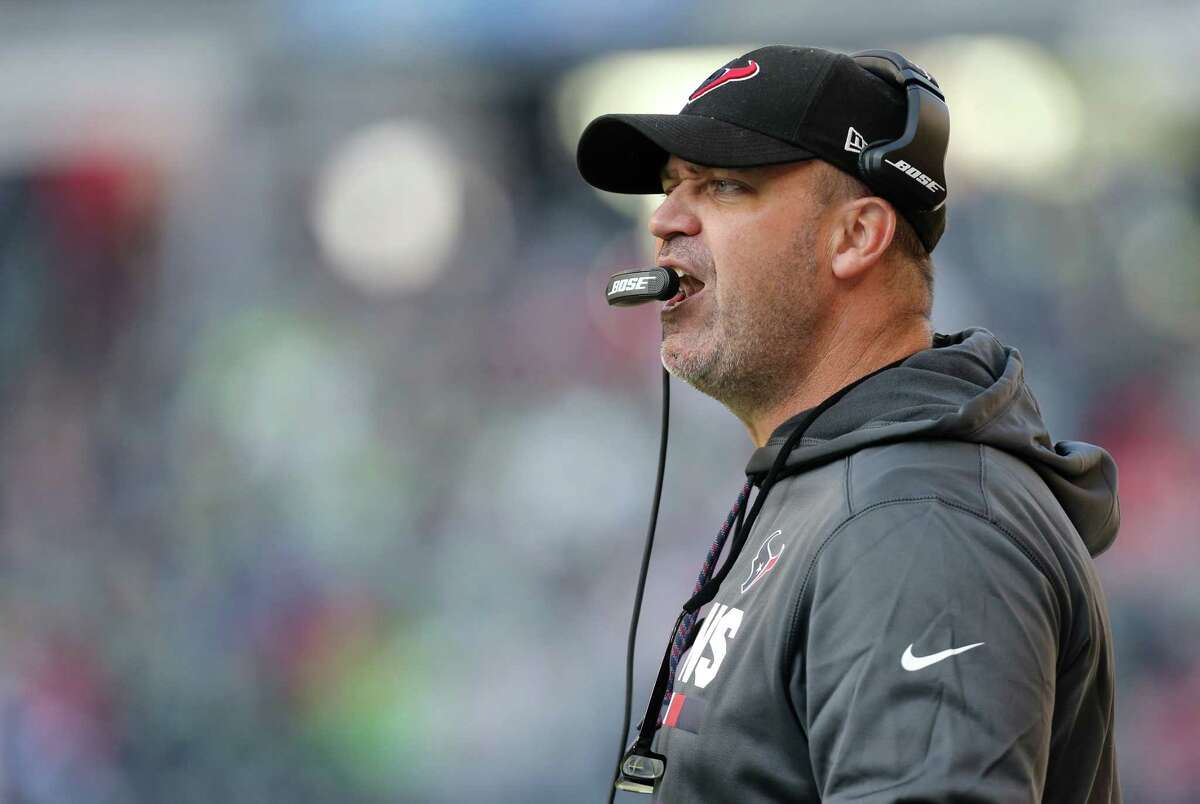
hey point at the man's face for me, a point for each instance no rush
(752, 236)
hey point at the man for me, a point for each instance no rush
(915, 616)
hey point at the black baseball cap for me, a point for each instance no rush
(772, 105)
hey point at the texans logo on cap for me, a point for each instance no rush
(724, 76)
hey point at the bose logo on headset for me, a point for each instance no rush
(926, 182)
(632, 283)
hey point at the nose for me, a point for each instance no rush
(674, 217)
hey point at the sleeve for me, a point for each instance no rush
(923, 660)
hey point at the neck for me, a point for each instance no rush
(848, 353)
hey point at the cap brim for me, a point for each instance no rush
(625, 153)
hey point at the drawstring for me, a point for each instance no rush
(689, 619)
(777, 472)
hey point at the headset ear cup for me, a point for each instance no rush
(910, 170)
(913, 166)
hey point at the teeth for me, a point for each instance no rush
(682, 285)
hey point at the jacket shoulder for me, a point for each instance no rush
(988, 482)
(952, 471)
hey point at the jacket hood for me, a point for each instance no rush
(967, 387)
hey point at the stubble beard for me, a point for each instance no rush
(746, 351)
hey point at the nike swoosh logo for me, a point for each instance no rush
(730, 74)
(912, 663)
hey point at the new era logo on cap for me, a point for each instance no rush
(855, 142)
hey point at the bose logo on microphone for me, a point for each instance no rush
(632, 283)
(921, 178)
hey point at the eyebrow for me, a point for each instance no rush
(668, 173)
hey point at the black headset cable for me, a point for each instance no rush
(641, 584)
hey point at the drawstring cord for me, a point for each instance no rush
(683, 632)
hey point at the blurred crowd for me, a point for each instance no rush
(324, 468)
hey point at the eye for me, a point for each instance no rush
(726, 186)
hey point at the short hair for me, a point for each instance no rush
(906, 245)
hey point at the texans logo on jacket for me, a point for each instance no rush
(765, 561)
(707, 655)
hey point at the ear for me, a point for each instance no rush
(863, 230)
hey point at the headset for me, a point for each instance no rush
(910, 172)
(909, 169)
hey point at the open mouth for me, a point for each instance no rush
(689, 286)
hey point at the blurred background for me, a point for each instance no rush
(324, 466)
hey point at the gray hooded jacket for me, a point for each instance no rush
(915, 615)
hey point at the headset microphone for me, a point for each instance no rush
(642, 285)
(639, 771)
